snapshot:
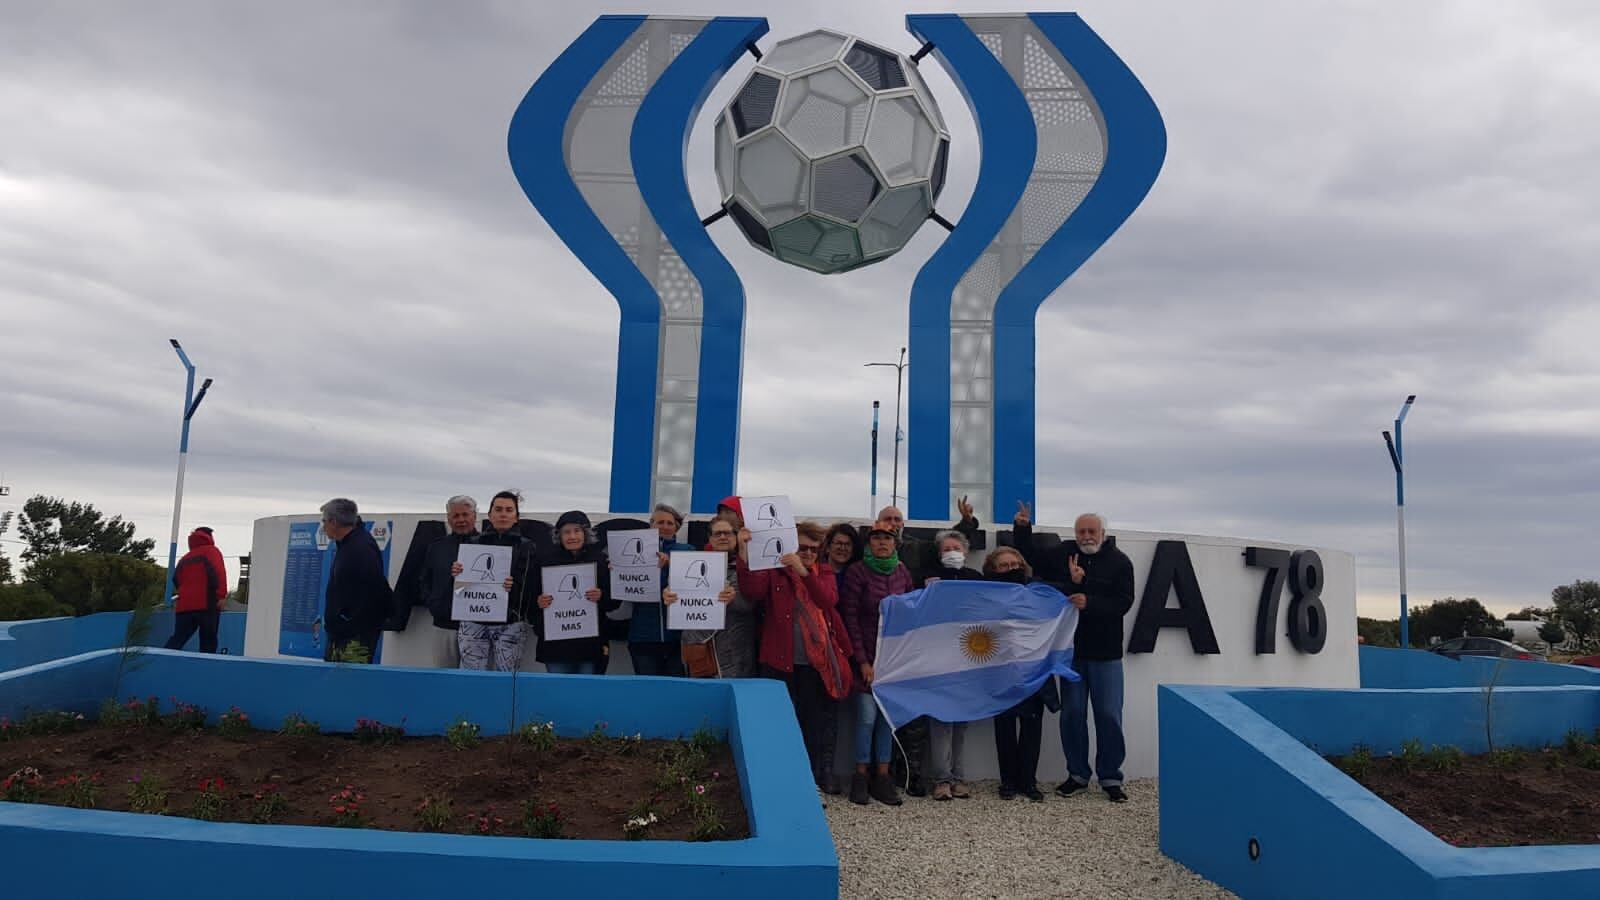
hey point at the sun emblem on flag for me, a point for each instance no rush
(979, 644)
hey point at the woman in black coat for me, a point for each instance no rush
(575, 543)
(1018, 730)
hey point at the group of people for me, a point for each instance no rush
(811, 624)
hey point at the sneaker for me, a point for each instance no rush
(960, 791)
(858, 789)
(1069, 787)
(1116, 794)
(941, 791)
(1007, 792)
(1034, 794)
(884, 791)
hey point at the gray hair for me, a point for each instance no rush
(671, 511)
(340, 511)
(1093, 515)
(461, 500)
(941, 537)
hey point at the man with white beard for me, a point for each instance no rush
(1100, 584)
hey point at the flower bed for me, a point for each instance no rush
(143, 756)
(1510, 797)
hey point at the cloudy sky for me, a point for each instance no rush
(1360, 201)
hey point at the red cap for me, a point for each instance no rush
(732, 502)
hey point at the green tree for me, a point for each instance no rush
(1525, 614)
(1379, 632)
(51, 526)
(1578, 610)
(1552, 633)
(29, 601)
(98, 582)
(1451, 618)
(5, 569)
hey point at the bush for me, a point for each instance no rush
(1358, 763)
(297, 725)
(462, 735)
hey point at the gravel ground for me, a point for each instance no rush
(1083, 846)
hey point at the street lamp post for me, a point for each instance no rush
(899, 380)
(872, 510)
(191, 402)
(1397, 456)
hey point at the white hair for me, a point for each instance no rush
(1092, 515)
(460, 500)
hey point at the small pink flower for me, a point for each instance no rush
(699, 789)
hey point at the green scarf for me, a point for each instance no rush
(884, 565)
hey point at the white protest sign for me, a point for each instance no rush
(635, 567)
(697, 578)
(570, 614)
(480, 592)
(772, 535)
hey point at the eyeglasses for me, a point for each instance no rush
(717, 534)
(808, 548)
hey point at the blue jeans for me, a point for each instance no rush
(572, 668)
(871, 729)
(1100, 684)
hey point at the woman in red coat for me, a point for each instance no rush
(803, 642)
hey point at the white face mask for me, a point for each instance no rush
(953, 559)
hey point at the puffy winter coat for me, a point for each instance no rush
(201, 578)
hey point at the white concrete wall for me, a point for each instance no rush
(1231, 591)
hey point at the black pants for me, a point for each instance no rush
(187, 623)
(1016, 744)
(817, 713)
(910, 752)
(656, 659)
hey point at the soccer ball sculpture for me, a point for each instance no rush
(832, 153)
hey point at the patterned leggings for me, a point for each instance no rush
(496, 647)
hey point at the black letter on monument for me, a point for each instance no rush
(1171, 570)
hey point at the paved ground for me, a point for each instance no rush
(987, 847)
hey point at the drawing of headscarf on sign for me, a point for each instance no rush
(697, 576)
(767, 516)
(482, 569)
(772, 551)
(567, 591)
(633, 554)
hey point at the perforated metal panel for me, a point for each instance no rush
(804, 51)
(597, 147)
(774, 178)
(894, 219)
(1071, 153)
(843, 187)
(901, 140)
(825, 112)
(879, 68)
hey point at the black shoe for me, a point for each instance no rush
(830, 785)
(1034, 794)
(1069, 787)
(884, 791)
(1116, 794)
(858, 789)
(917, 788)
(1007, 792)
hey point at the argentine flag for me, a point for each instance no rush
(960, 651)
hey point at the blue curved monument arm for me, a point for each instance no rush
(658, 146)
(535, 146)
(1008, 140)
(1136, 145)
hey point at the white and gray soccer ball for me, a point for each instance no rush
(832, 153)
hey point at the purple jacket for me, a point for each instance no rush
(859, 599)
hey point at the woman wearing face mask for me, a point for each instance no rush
(1018, 730)
(575, 543)
(730, 652)
(879, 574)
(946, 740)
(654, 648)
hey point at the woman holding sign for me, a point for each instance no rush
(496, 644)
(653, 647)
(574, 596)
(803, 643)
(731, 651)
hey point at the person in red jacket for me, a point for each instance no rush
(202, 584)
(803, 642)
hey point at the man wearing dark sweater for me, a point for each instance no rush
(1099, 583)
(359, 595)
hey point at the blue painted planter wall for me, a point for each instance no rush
(1235, 767)
(1389, 667)
(790, 852)
(35, 641)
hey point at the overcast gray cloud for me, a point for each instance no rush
(1360, 200)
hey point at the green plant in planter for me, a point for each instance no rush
(52, 721)
(1507, 758)
(267, 805)
(433, 814)
(541, 736)
(297, 725)
(22, 786)
(462, 735)
(1444, 759)
(1412, 755)
(1574, 742)
(543, 821)
(346, 807)
(234, 724)
(372, 731)
(80, 791)
(1358, 764)
(212, 800)
(147, 795)
(185, 716)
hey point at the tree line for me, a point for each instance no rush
(76, 561)
(1571, 619)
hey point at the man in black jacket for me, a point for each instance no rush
(1100, 584)
(438, 585)
(358, 588)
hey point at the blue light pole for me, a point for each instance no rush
(1397, 456)
(191, 402)
(899, 435)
